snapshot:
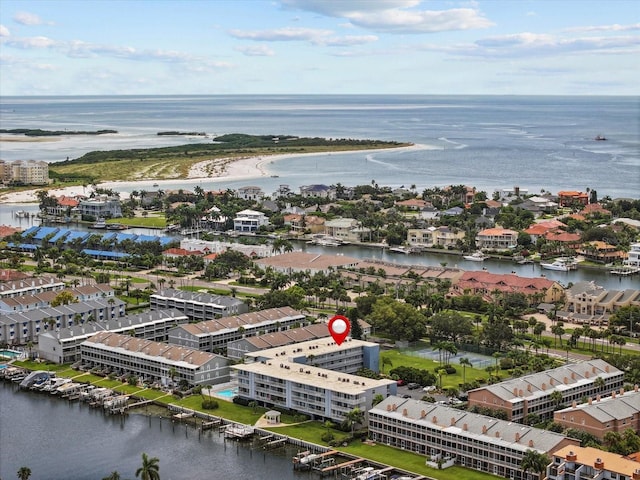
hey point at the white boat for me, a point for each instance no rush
(100, 224)
(624, 270)
(327, 241)
(405, 250)
(561, 264)
(476, 257)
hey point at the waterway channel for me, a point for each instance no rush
(600, 276)
(58, 440)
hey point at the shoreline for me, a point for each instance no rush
(229, 169)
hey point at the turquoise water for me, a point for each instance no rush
(9, 354)
(228, 393)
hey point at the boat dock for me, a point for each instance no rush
(238, 432)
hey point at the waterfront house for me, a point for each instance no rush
(633, 258)
(346, 230)
(152, 362)
(497, 239)
(600, 415)
(322, 191)
(101, 206)
(249, 221)
(532, 394)
(448, 436)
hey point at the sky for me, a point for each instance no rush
(182, 47)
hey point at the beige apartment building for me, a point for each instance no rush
(588, 463)
(26, 172)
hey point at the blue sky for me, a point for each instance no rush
(536, 47)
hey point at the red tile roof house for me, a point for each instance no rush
(486, 284)
(571, 198)
(6, 231)
(570, 240)
(180, 252)
(595, 208)
(412, 204)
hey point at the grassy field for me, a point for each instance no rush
(167, 167)
(152, 221)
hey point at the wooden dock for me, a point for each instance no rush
(350, 463)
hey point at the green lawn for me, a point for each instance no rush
(404, 359)
(152, 221)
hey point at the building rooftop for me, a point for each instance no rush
(314, 376)
(488, 429)
(146, 348)
(611, 461)
(604, 409)
(197, 297)
(307, 261)
(317, 346)
(542, 383)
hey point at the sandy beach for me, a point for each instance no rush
(221, 168)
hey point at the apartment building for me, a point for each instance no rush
(317, 392)
(451, 436)
(588, 463)
(63, 345)
(21, 328)
(599, 415)
(587, 298)
(24, 303)
(29, 286)
(196, 305)
(349, 357)
(532, 394)
(153, 361)
(215, 335)
(25, 172)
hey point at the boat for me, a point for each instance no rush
(624, 270)
(326, 241)
(100, 224)
(116, 226)
(561, 264)
(405, 250)
(155, 185)
(476, 257)
(600, 138)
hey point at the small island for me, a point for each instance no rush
(37, 132)
(198, 160)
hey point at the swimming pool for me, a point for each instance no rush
(228, 393)
(10, 354)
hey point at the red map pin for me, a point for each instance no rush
(339, 328)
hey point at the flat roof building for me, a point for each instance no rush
(153, 361)
(307, 262)
(468, 439)
(532, 394)
(313, 391)
(349, 357)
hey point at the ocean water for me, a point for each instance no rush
(492, 142)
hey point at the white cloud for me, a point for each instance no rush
(26, 18)
(396, 16)
(31, 42)
(605, 28)
(4, 31)
(286, 34)
(256, 51)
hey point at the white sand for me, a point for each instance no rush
(222, 168)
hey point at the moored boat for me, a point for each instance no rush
(561, 264)
(476, 257)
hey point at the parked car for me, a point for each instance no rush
(401, 383)
(413, 386)
(429, 388)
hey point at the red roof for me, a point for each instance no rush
(562, 237)
(502, 281)
(181, 252)
(65, 201)
(6, 230)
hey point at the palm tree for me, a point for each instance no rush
(112, 476)
(465, 362)
(24, 473)
(556, 397)
(598, 382)
(149, 469)
(535, 461)
(386, 361)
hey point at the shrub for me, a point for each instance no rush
(450, 369)
(209, 404)
(327, 437)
